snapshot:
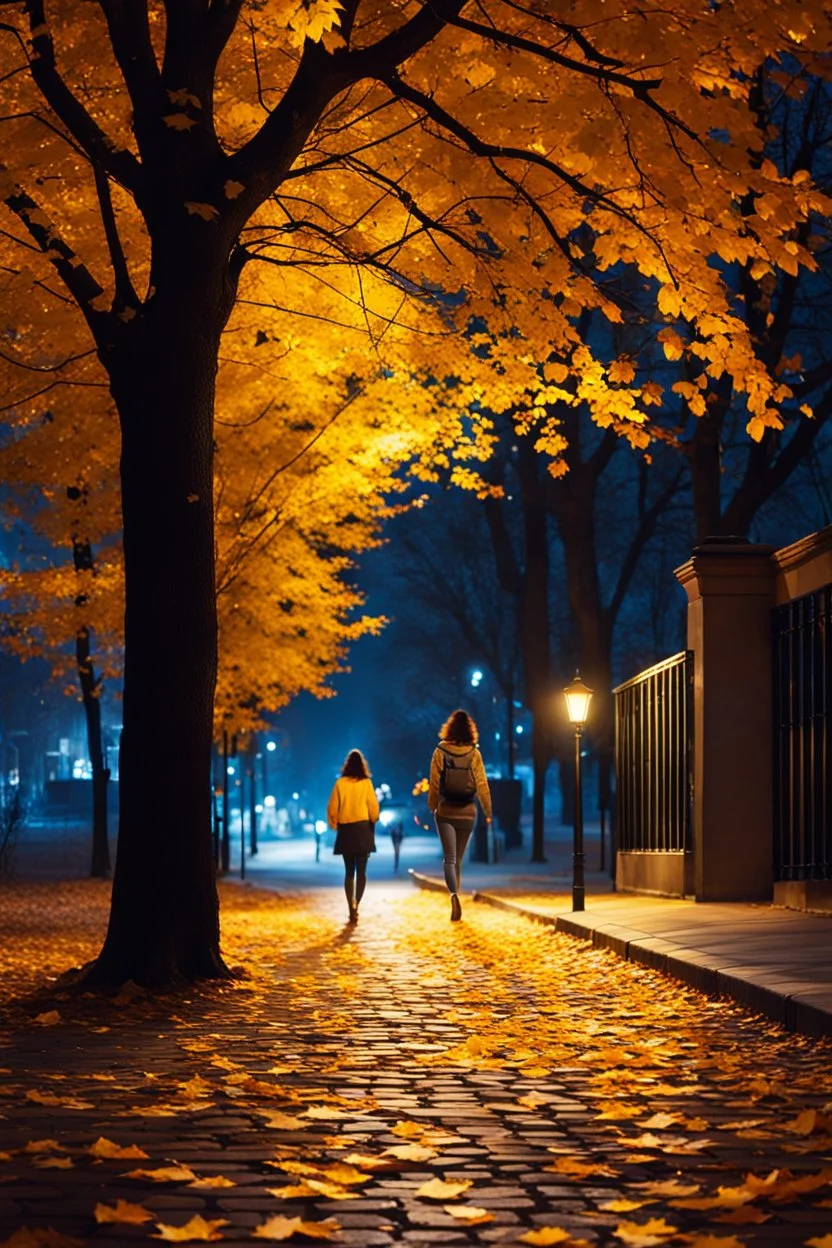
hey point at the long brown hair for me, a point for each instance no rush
(459, 729)
(355, 766)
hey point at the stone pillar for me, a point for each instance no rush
(730, 584)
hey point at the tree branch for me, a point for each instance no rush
(73, 273)
(122, 165)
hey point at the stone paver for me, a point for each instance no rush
(548, 1074)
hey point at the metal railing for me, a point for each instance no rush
(654, 757)
(802, 677)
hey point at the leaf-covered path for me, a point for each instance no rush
(405, 1081)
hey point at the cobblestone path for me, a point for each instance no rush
(404, 1081)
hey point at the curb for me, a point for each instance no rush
(805, 1007)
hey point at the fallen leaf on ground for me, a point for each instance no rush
(809, 1122)
(410, 1152)
(282, 1122)
(123, 1212)
(366, 1162)
(197, 1228)
(41, 1237)
(646, 1234)
(544, 1235)
(164, 1174)
(743, 1215)
(821, 1241)
(106, 1148)
(48, 1019)
(658, 1122)
(339, 1172)
(714, 1241)
(575, 1169)
(43, 1146)
(408, 1130)
(210, 1181)
(470, 1214)
(438, 1189)
(279, 1228)
(622, 1205)
(668, 1187)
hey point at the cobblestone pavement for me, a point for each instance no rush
(407, 1080)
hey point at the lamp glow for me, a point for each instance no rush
(578, 697)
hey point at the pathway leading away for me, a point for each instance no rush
(407, 1080)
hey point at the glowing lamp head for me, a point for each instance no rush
(578, 697)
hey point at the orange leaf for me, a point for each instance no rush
(164, 1174)
(197, 1228)
(122, 1212)
(106, 1148)
(469, 1214)
(279, 1228)
(438, 1189)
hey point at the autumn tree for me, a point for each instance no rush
(156, 155)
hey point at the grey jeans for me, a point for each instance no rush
(454, 836)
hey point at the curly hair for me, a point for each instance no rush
(355, 766)
(459, 729)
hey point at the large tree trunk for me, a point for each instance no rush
(164, 920)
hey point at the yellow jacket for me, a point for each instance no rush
(351, 801)
(435, 803)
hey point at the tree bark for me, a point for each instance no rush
(164, 920)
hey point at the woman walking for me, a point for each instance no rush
(457, 782)
(353, 811)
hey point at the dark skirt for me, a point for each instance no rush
(355, 838)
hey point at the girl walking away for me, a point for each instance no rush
(457, 782)
(353, 811)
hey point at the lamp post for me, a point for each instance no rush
(577, 707)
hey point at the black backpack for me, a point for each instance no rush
(457, 786)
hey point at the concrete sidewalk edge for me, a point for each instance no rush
(763, 992)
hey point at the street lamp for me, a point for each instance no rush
(577, 708)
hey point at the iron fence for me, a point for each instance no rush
(802, 676)
(654, 757)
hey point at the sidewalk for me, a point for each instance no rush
(775, 962)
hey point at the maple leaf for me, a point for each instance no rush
(106, 1148)
(210, 1182)
(743, 1215)
(545, 1235)
(164, 1174)
(179, 121)
(48, 1019)
(279, 1228)
(282, 1122)
(469, 1213)
(645, 1235)
(439, 1189)
(198, 1228)
(122, 1212)
(206, 211)
(41, 1237)
(820, 1241)
(410, 1152)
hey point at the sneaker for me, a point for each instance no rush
(456, 908)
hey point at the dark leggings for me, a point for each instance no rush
(355, 876)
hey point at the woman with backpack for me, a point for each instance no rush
(457, 782)
(353, 810)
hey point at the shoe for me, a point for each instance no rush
(456, 908)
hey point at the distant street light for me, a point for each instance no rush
(476, 678)
(578, 697)
(271, 747)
